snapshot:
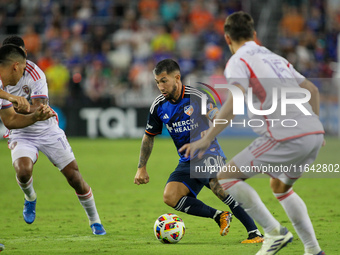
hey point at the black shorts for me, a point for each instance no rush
(196, 174)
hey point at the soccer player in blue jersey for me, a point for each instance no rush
(179, 108)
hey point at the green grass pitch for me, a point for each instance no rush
(128, 211)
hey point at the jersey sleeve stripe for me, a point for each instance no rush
(39, 96)
(149, 133)
(193, 91)
(6, 106)
(200, 95)
(156, 102)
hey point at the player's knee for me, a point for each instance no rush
(278, 186)
(24, 176)
(23, 171)
(170, 199)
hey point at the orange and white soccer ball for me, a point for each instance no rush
(169, 228)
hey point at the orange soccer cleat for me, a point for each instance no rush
(254, 237)
(223, 220)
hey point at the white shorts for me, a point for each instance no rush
(54, 145)
(282, 160)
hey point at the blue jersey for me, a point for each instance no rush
(183, 119)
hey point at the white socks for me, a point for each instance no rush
(87, 201)
(293, 205)
(28, 189)
(248, 198)
(296, 211)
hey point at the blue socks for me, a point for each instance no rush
(193, 206)
(240, 214)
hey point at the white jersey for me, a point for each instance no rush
(256, 67)
(32, 85)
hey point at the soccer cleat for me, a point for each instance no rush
(272, 244)
(29, 211)
(98, 229)
(254, 237)
(2, 247)
(320, 253)
(223, 220)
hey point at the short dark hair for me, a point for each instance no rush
(239, 26)
(10, 53)
(14, 39)
(166, 65)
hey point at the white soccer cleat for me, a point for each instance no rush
(272, 244)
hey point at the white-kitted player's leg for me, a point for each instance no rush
(60, 153)
(242, 166)
(283, 161)
(89, 205)
(24, 154)
(291, 202)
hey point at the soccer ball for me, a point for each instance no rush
(169, 228)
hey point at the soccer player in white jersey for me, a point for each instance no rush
(48, 138)
(12, 66)
(255, 67)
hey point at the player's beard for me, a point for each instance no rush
(171, 95)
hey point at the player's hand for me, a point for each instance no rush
(324, 143)
(43, 112)
(141, 176)
(20, 103)
(185, 148)
(190, 148)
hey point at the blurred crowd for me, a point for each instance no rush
(103, 51)
(308, 38)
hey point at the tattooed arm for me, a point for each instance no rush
(142, 176)
(36, 102)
